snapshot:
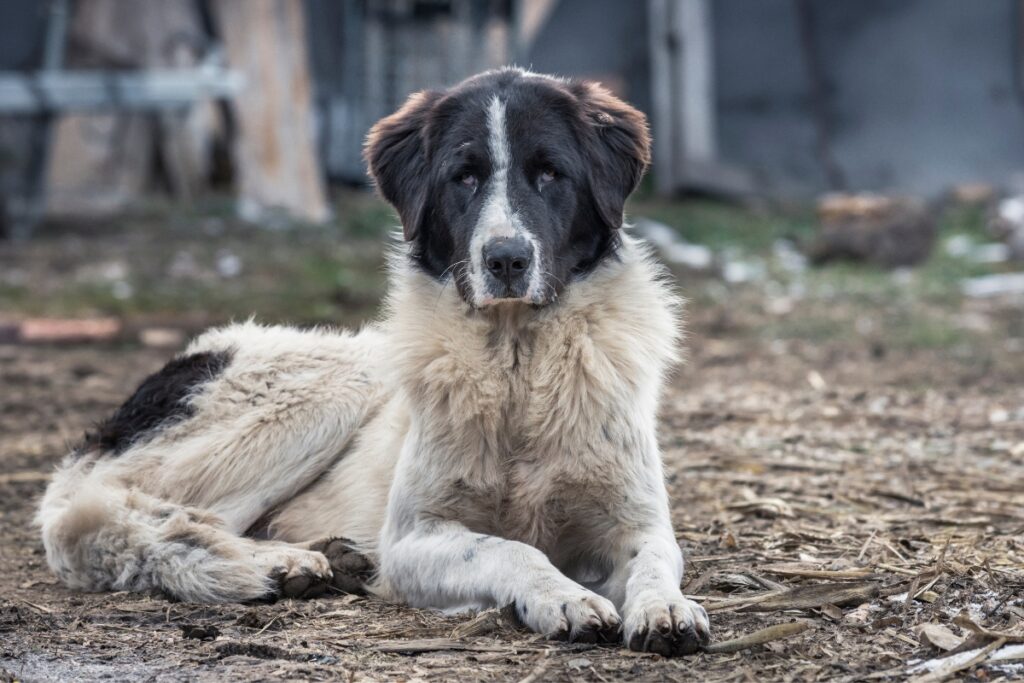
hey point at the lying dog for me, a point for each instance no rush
(492, 441)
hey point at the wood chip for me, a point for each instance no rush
(58, 330)
(940, 670)
(410, 647)
(538, 671)
(25, 476)
(486, 622)
(807, 597)
(965, 621)
(803, 571)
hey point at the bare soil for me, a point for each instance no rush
(846, 457)
(790, 465)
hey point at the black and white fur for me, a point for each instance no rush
(491, 441)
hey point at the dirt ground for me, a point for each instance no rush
(909, 468)
(853, 489)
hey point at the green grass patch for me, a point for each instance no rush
(720, 225)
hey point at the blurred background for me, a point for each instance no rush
(837, 187)
(824, 171)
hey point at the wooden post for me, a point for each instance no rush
(682, 89)
(275, 155)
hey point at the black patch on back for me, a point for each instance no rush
(161, 400)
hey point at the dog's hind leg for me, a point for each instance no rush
(282, 413)
(101, 536)
(162, 498)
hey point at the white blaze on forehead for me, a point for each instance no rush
(497, 219)
(497, 142)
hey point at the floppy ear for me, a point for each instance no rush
(618, 149)
(395, 154)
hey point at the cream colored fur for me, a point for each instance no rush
(483, 457)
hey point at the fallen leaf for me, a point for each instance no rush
(938, 636)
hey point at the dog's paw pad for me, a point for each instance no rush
(671, 628)
(303, 585)
(352, 570)
(599, 633)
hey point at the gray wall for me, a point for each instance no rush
(597, 38)
(919, 93)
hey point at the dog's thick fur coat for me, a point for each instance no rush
(480, 456)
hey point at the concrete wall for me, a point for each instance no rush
(919, 93)
(602, 39)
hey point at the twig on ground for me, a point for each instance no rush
(765, 635)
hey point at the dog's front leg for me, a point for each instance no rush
(444, 565)
(657, 616)
(646, 583)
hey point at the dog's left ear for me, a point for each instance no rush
(396, 156)
(618, 148)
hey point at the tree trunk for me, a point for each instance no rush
(275, 157)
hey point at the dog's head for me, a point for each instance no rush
(511, 184)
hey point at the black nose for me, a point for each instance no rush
(508, 259)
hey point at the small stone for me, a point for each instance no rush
(199, 631)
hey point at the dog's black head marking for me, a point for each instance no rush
(511, 184)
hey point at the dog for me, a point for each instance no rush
(490, 441)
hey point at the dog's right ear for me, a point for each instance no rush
(396, 156)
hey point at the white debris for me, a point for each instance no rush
(959, 246)
(952, 663)
(962, 246)
(999, 416)
(114, 270)
(903, 277)
(993, 252)
(789, 257)
(1008, 225)
(878, 406)
(816, 381)
(994, 285)
(183, 265)
(736, 271)
(122, 290)
(1011, 210)
(782, 305)
(228, 265)
(673, 247)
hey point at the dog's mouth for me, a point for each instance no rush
(489, 301)
(483, 291)
(499, 294)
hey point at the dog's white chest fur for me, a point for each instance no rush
(525, 418)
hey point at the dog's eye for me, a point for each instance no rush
(468, 180)
(546, 176)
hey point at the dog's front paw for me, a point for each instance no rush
(573, 614)
(669, 625)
